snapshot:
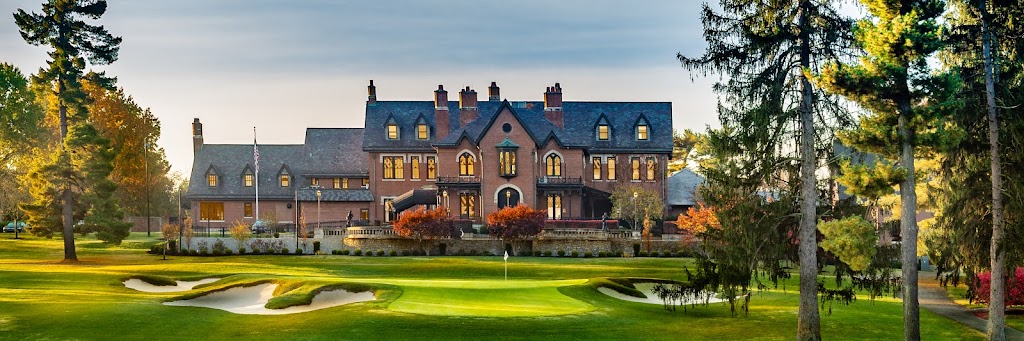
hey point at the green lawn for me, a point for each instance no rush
(417, 297)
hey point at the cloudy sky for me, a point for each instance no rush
(282, 66)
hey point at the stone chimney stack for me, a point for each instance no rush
(371, 92)
(197, 136)
(492, 92)
(441, 113)
(467, 106)
(553, 105)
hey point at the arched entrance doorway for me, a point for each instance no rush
(508, 197)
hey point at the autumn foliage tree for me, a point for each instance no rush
(425, 225)
(516, 224)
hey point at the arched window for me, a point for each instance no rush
(466, 163)
(650, 168)
(554, 164)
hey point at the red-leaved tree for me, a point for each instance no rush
(425, 225)
(1014, 288)
(516, 224)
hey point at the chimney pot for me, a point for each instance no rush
(492, 92)
(467, 106)
(442, 123)
(553, 105)
(197, 136)
(371, 92)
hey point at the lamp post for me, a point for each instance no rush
(180, 225)
(508, 198)
(446, 204)
(146, 162)
(635, 195)
(318, 209)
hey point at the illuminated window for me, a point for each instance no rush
(344, 183)
(314, 182)
(467, 208)
(393, 167)
(602, 132)
(611, 168)
(247, 179)
(431, 168)
(650, 168)
(414, 166)
(422, 132)
(554, 165)
(466, 165)
(554, 206)
(597, 168)
(364, 214)
(285, 180)
(337, 183)
(641, 132)
(507, 163)
(211, 211)
(247, 212)
(211, 180)
(392, 131)
(635, 164)
(366, 183)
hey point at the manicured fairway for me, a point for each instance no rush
(417, 298)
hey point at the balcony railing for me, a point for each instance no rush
(454, 180)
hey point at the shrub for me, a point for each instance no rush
(405, 252)
(588, 254)
(277, 235)
(193, 252)
(334, 252)
(284, 251)
(380, 253)
(298, 251)
(393, 253)
(547, 253)
(1014, 287)
(345, 252)
(561, 253)
(602, 254)
(642, 254)
(575, 253)
(358, 252)
(473, 252)
(228, 252)
(666, 253)
(536, 253)
(202, 252)
(218, 247)
(241, 250)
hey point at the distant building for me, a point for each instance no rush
(472, 156)
(682, 191)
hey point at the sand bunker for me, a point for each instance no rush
(648, 290)
(143, 286)
(252, 300)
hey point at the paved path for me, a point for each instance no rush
(933, 298)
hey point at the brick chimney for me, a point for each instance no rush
(553, 105)
(467, 106)
(371, 92)
(441, 113)
(492, 92)
(197, 136)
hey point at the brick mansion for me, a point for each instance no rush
(473, 156)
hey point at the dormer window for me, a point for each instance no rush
(392, 131)
(314, 182)
(422, 131)
(641, 131)
(285, 179)
(247, 180)
(602, 132)
(211, 180)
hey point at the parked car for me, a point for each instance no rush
(10, 227)
(260, 227)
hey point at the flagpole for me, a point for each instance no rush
(256, 180)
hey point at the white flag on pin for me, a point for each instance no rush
(506, 254)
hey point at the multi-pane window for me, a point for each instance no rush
(392, 131)
(344, 183)
(286, 180)
(650, 168)
(554, 165)
(611, 168)
(394, 167)
(554, 206)
(414, 165)
(466, 164)
(337, 183)
(641, 132)
(431, 167)
(211, 211)
(314, 182)
(602, 132)
(247, 211)
(422, 132)
(597, 168)
(247, 179)
(211, 180)
(635, 166)
(468, 205)
(507, 163)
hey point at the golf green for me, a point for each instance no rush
(487, 298)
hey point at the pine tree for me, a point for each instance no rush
(73, 42)
(892, 80)
(764, 48)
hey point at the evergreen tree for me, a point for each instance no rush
(772, 110)
(74, 42)
(893, 81)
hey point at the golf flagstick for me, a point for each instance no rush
(506, 265)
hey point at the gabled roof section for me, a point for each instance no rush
(233, 159)
(212, 169)
(247, 170)
(682, 188)
(332, 152)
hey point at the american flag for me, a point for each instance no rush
(255, 150)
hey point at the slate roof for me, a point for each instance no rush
(330, 195)
(327, 152)
(579, 119)
(682, 188)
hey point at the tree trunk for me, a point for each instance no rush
(809, 320)
(997, 254)
(66, 195)
(908, 223)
